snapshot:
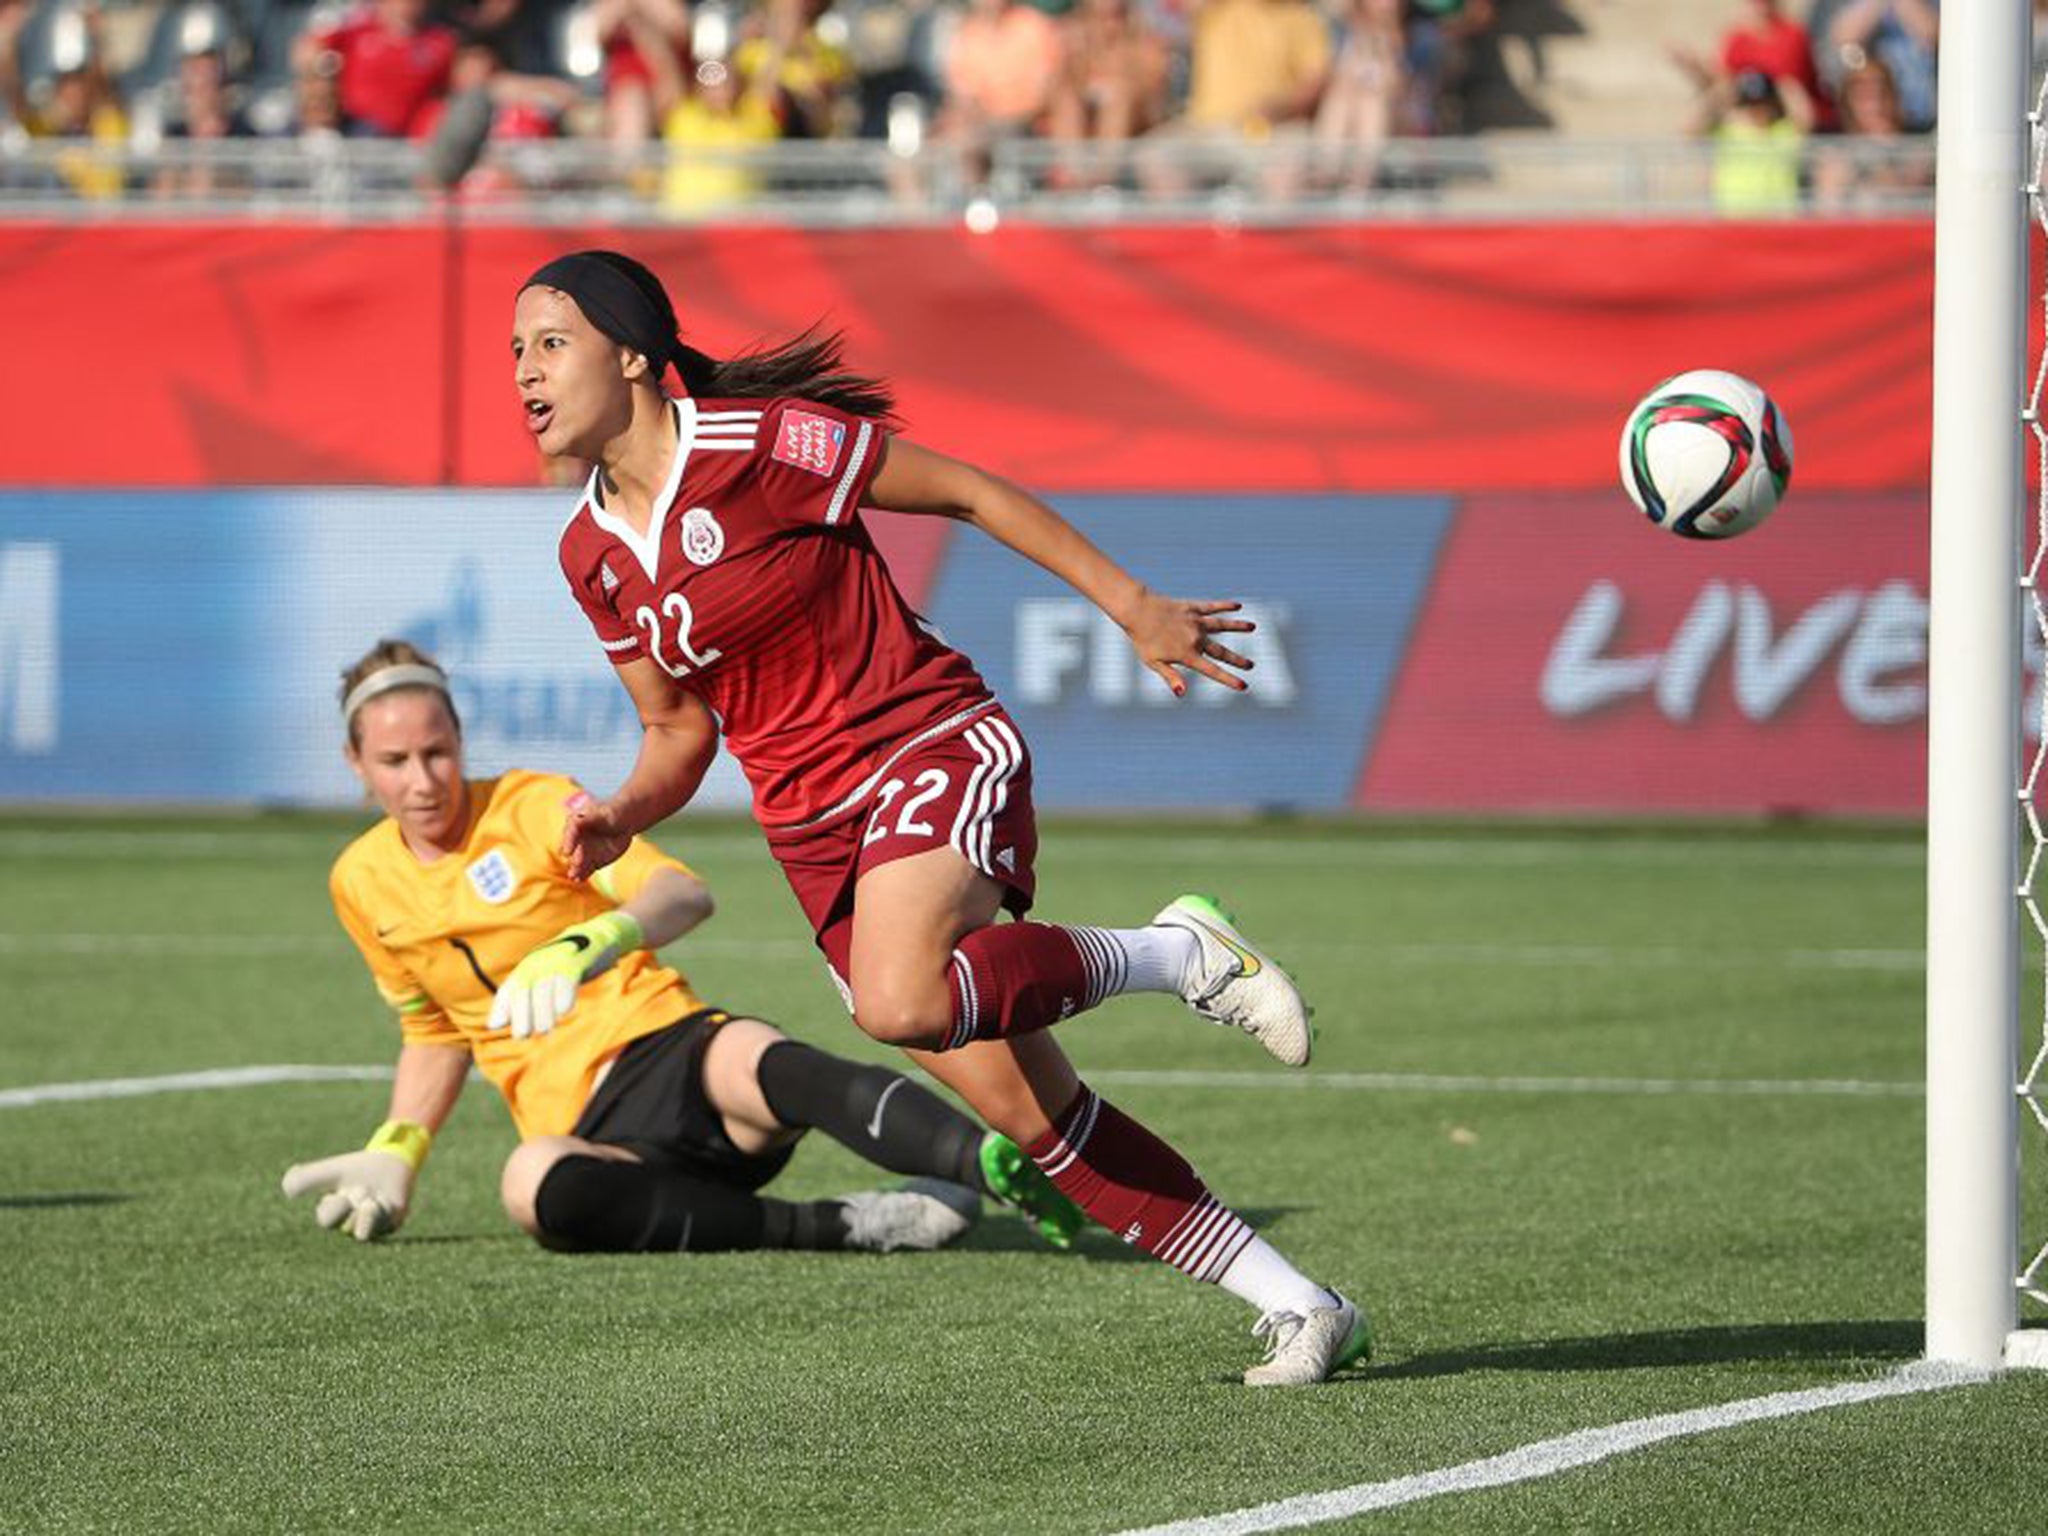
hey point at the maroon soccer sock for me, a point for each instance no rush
(1013, 978)
(1139, 1188)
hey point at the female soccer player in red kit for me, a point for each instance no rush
(719, 555)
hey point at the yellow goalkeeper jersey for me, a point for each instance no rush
(439, 938)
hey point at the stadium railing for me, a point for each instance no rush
(858, 182)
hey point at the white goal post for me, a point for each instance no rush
(1982, 207)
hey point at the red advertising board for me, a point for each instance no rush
(1374, 358)
(1572, 657)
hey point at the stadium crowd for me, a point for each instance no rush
(1860, 72)
(1340, 79)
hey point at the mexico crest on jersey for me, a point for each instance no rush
(491, 876)
(703, 539)
(810, 441)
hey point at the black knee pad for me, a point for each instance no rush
(605, 1205)
(591, 1204)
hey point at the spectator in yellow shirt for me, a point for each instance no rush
(1257, 66)
(1257, 73)
(1759, 150)
(649, 1120)
(82, 106)
(807, 73)
(710, 133)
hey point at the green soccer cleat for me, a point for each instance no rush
(1014, 1179)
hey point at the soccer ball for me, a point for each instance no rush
(1706, 454)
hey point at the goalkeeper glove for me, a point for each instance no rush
(542, 987)
(366, 1193)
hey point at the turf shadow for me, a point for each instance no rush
(1813, 1343)
(56, 1202)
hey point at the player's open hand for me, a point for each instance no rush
(592, 837)
(1170, 633)
(366, 1194)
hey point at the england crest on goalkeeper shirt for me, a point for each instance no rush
(491, 876)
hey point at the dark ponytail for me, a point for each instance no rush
(809, 365)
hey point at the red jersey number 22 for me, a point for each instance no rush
(675, 607)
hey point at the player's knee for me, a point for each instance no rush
(903, 1016)
(519, 1184)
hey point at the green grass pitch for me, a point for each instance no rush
(185, 1351)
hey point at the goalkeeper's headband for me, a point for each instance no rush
(622, 299)
(406, 674)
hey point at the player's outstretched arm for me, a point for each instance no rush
(678, 739)
(543, 986)
(1170, 634)
(367, 1194)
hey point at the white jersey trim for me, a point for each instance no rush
(853, 463)
(945, 727)
(987, 793)
(646, 548)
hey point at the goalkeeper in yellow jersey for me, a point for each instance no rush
(648, 1120)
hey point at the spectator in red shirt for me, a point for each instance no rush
(523, 107)
(648, 57)
(1767, 42)
(395, 64)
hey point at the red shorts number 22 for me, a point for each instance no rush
(970, 791)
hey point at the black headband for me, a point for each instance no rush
(611, 299)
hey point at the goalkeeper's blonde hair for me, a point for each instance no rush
(409, 666)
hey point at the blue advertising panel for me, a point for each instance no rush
(1333, 582)
(189, 647)
(132, 646)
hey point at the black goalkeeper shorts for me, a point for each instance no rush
(652, 1103)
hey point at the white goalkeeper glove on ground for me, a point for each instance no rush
(365, 1193)
(542, 987)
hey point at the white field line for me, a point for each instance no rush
(182, 1082)
(1075, 846)
(1429, 1082)
(1590, 956)
(1355, 1082)
(1546, 1458)
(258, 945)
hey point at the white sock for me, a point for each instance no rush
(1121, 960)
(1262, 1277)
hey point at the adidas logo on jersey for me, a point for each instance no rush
(606, 577)
(1133, 1232)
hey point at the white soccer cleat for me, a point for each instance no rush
(1301, 1351)
(924, 1213)
(1238, 985)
